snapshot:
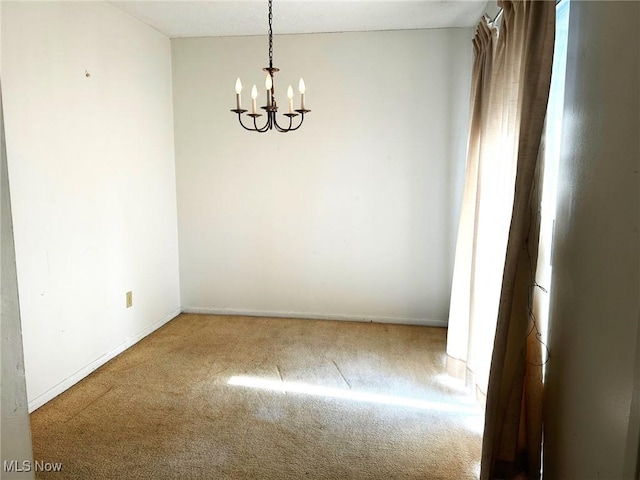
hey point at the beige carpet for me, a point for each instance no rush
(214, 397)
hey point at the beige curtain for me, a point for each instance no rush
(463, 361)
(491, 339)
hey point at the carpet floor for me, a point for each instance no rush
(221, 397)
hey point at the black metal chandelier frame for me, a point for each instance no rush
(271, 108)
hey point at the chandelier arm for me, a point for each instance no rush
(278, 127)
(299, 125)
(262, 129)
(243, 125)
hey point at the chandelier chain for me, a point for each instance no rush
(270, 34)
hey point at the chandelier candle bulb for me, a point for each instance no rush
(290, 97)
(254, 95)
(302, 87)
(238, 90)
(268, 83)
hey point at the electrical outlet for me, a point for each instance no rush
(129, 299)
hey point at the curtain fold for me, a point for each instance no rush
(491, 337)
(462, 361)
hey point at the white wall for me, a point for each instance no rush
(354, 216)
(592, 431)
(91, 168)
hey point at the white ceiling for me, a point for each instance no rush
(207, 18)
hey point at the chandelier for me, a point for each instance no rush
(271, 108)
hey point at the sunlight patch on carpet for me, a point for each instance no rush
(451, 382)
(330, 392)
